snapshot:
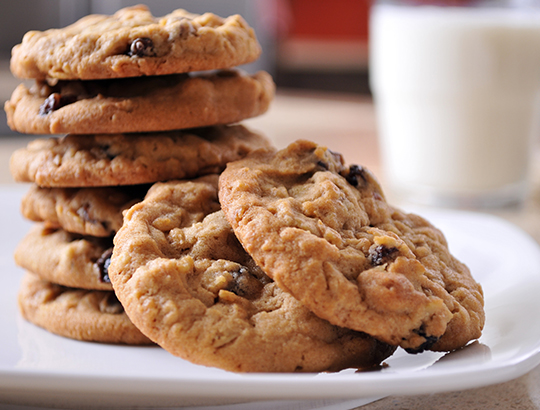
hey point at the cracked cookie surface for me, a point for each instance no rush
(133, 43)
(131, 159)
(140, 104)
(186, 282)
(87, 315)
(325, 233)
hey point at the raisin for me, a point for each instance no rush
(355, 171)
(54, 102)
(141, 47)
(322, 164)
(430, 341)
(382, 254)
(244, 284)
(103, 264)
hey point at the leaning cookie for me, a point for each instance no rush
(130, 159)
(65, 258)
(86, 211)
(325, 233)
(139, 104)
(133, 43)
(186, 282)
(95, 316)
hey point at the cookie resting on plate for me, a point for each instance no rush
(139, 104)
(88, 315)
(186, 282)
(325, 233)
(131, 159)
(132, 42)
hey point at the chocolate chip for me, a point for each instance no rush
(245, 284)
(355, 171)
(141, 47)
(382, 254)
(54, 102)
(103, 264)
(430, 341)
(322, 164)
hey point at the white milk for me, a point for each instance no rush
(457, 93)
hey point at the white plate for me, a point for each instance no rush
(36, 366)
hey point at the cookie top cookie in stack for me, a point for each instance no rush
(134, 43)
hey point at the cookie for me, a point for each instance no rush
(86, 211)
(67, 259)
(325, 233)
(131, 159)
(139, 104)
(134, 43)
(78, 314)
(186, 282)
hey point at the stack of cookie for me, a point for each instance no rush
(141, 99)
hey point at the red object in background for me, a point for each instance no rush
(443, 2)
(329, 20)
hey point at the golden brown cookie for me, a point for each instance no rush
(133, 43)
(186, 282)
(140, 104)
(78, 314)
(86, 211)
(130, 159)
(65, 258)
(325, 233)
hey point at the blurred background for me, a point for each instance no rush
(307, 44)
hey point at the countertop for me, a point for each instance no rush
(347, 124)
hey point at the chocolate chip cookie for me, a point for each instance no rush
(324, 232)
(187, 283)
(133, 43)
(130, 159)
(78, 314)
(140, 104)
(86, 211)
(67, 259)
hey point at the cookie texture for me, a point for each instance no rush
(133, 43)
(78, 314)
(130, 159)
(86, 211)
(65, 258)
(140, 104)
(187, 283)
(324, 232)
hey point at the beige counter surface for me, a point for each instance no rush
(347, 125)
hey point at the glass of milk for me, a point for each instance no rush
(457, 97)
